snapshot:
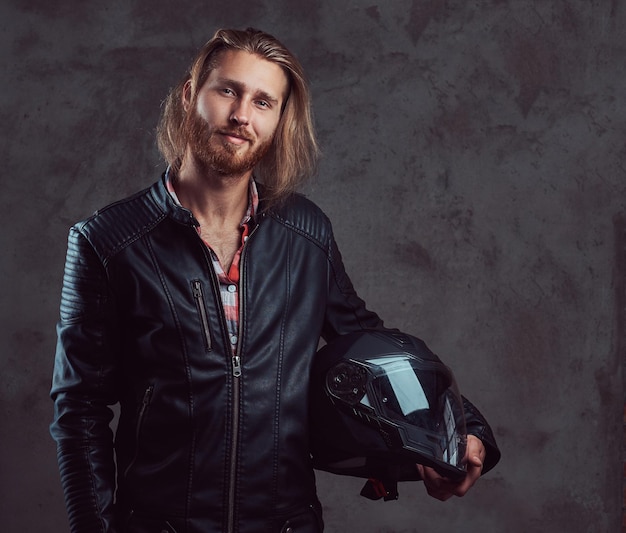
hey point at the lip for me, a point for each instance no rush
(234, 138)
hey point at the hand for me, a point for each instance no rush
(443, 488)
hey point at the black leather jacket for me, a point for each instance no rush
(205, 442)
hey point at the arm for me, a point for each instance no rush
(82, 389)
(345, 313)
(345, 310)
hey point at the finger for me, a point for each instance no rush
(442, 496)
(475, 461)
(473, 473)
(439, 491)
(476, 452)
(475, 446)
(436, 486)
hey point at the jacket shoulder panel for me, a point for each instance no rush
(305, 218)
(121, 223)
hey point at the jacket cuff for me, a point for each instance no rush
(478, 426)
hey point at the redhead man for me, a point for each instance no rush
(197, 305)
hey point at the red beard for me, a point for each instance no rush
(213, 154)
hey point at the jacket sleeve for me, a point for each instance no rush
(82, 390)
(345, 310)
(478, 426)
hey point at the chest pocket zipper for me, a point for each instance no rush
(198, 295)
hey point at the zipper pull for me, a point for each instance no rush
(236, 366)
(195, 287)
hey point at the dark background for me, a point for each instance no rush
(473, 168)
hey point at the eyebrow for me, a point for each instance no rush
(242, 86)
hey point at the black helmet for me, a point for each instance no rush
(381, 401)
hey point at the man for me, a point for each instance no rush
(198, 305)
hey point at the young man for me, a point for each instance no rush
(198, 305)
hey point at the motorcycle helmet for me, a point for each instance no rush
(380, 402)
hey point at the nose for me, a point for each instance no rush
(240, 113)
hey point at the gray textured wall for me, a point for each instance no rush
(474, 170)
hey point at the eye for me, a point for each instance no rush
(263, 103)
(228, 91)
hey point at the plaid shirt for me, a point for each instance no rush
(228, 281)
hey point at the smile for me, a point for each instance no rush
(233, 138)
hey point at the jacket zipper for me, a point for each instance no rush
(198, 295)
(236, 368)
(145, 402)
(236, 372)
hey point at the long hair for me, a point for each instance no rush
(294, 152)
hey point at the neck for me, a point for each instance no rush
(213, 198)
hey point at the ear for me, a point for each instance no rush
(186, 96)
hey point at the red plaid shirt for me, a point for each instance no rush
(229, 281)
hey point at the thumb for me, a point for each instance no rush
(475, 460)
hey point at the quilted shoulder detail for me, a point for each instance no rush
(119, 224)
(304, 217)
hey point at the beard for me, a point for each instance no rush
(212, 153)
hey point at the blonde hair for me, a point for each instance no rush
(293, 156)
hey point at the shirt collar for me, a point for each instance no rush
(253, 196)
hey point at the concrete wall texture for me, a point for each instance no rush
(474, 169)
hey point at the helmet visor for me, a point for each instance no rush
(417, 398)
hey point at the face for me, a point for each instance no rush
(232, 122)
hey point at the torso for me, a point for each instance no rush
(224, 243)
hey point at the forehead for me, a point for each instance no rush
(252, 72)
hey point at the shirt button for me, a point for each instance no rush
(233, 339)
(232, 288)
